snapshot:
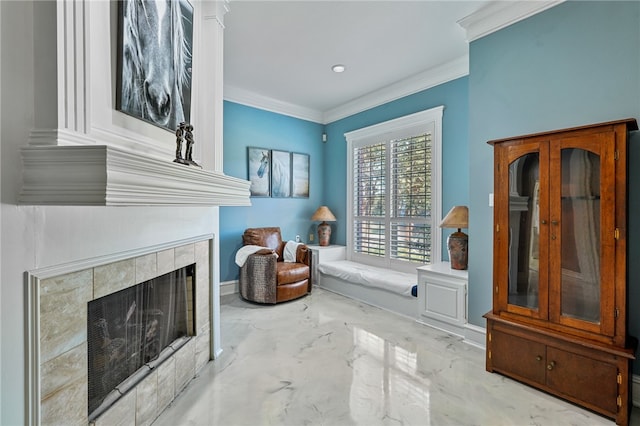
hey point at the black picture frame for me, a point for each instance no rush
(300, 168)
(280, 174)
(153, 83)
(259, 171)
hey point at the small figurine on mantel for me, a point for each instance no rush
(179, 140)
(189, 152)
(185, 132)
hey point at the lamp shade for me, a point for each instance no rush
(323, 214)
(458, 217)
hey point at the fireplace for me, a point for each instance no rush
(129, 329)
(68, 315)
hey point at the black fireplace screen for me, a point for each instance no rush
(130, 328)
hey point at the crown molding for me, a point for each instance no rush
(215, 9)
(246, 97)
(500, 14)
(414, 84)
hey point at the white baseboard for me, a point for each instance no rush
(635, 390)
(475, 336)
(229, 287)
(447, 327)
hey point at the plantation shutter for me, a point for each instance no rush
(392, 199)
(394, 191)
(411, 199)
(370, 170)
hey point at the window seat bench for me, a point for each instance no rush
(387, 289)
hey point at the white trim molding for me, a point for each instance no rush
(401, 127)
(422, 81)
(475, 336)
(229, 287)
(635, 390)
(107, 176)
(255, 100)
(500, 14)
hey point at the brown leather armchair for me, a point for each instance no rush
(265, 278)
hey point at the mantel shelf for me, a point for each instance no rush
(101, 175)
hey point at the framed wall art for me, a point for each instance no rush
(155, 43)
(280, 174)
(259, 167)
(299, 175)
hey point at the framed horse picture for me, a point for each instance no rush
(259, 166)
(299, 175)
(280, 174)
(155, 42)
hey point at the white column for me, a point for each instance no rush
(62, 114)
(208, 60)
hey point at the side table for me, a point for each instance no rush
(442, 297)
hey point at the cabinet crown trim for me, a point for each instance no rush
(631, 124)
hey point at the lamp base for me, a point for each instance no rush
(324, 234)
(458, 245)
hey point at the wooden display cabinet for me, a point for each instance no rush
(559, 318)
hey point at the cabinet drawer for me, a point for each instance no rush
(583, 378)
(518, 357)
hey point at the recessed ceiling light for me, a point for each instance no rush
(338, 68)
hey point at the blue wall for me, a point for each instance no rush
(244, 127)
(577, 63)
(574, 64)
(455, 160)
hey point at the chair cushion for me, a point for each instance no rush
(288, 273)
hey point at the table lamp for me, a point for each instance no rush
(458, 242)
(324, 229)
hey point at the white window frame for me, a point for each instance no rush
(410, 125)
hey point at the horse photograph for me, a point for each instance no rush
(280, 174)
(154, 61)
(299, 175)
(259, 171)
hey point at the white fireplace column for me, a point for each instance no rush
(62, 80)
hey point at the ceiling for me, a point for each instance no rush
(280, 53)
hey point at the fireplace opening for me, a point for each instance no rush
(130, 331)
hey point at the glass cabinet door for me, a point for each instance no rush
(580, 235)
(524, 231)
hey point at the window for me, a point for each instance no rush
(394, 191)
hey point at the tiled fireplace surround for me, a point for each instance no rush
(58, 300)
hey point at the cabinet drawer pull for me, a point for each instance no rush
(544, 222)
(538, 358)
(551, 365)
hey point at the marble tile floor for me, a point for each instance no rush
(329, 360)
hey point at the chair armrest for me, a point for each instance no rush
(303, 255)
(263, 252)
(258, 277)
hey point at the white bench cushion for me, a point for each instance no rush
(359, 273)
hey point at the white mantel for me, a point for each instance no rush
(108, 176)
(99, 156)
